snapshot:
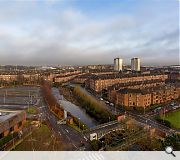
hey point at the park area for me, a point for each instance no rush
(173, 118)
(41, 139)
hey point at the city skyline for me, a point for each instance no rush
(80, 33)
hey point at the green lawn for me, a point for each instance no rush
(40, 140)
(173, 118)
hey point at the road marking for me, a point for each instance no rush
(74, 145)
(68, 138)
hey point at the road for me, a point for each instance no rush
(105, 128)
(152, 123)
(71, 139)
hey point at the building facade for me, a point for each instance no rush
(66, 78)
(118, 64)
(100, 82)
(135, 64)
(148, 96)
(112, 90)
(8, 77)
(11, 122)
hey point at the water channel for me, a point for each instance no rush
(74, 109)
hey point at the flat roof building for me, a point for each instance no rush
(11, 121)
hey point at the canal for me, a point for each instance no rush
(74, 109)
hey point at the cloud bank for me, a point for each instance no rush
(68, 32)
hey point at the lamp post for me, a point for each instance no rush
(144, 110)
(28, 106)
(13, 139)
(79, 123)
(83, 128)
(103, 144)
(4, 99)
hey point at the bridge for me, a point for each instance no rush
(129, 131)
(112, 126)
(105, 128)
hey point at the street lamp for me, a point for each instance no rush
(13, 139)
(83, 127)
(79, 123)
(4, 99)
(28, 106)
(102, 144)
(144, 110)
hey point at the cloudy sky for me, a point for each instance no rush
(51, 32)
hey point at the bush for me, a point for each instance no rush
(5, 140)
(95, 145)
(172, 140)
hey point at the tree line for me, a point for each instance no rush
(49, 98)
(93, 107)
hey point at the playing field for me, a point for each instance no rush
(174, 118)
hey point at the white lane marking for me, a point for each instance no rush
(74, 145)
(67, 131)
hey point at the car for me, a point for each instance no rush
(101, 99)
(107, 102)
(175, 107)
(111, 104)
(173, 103)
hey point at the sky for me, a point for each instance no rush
(82, 32)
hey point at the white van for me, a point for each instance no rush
(93, 136)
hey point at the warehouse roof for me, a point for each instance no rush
(9, 118)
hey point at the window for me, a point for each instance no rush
(11, 129)
(1, 135)
(20, 124)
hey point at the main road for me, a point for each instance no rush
(71, 139)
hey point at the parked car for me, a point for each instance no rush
(107, 102)
(175, 107)
(111, 104)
